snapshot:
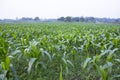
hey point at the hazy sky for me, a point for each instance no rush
(56, 8)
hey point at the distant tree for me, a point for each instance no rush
(82, 19)
(61, 19)
(76, 19)
(68, 19)
(91, 19)
(26, 19)
(117, 21)
(36, 19)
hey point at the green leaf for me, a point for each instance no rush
(48, 54)
(86, 62)
(7, 61)
(32, 60)
(113, 50)
(64, 61)
(107, 65)
(68, 61)
(96, 58)
(6, 64)
(103, 53)
(16, 52)
(14, 71)
(109, 57)
(117, 76)
(103, 73)
(118, 60)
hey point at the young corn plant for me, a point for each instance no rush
(62, 61)
(4, 59)
(104, 70)
(36, 57)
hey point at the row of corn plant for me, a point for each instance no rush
(59, 51)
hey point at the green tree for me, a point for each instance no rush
(82, 19)
(68, 19)
(61, 19)
(36, 19)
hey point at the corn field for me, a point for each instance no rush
(59, 51)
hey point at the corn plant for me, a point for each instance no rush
(56, 51)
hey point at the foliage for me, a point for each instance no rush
(59, 51)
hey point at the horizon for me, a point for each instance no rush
(53, 9)
(57, 18)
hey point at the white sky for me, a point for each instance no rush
(57, 8)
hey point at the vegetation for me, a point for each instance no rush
(64, 19)
(59, 51)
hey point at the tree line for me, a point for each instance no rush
(65, 19)
(88, 19)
